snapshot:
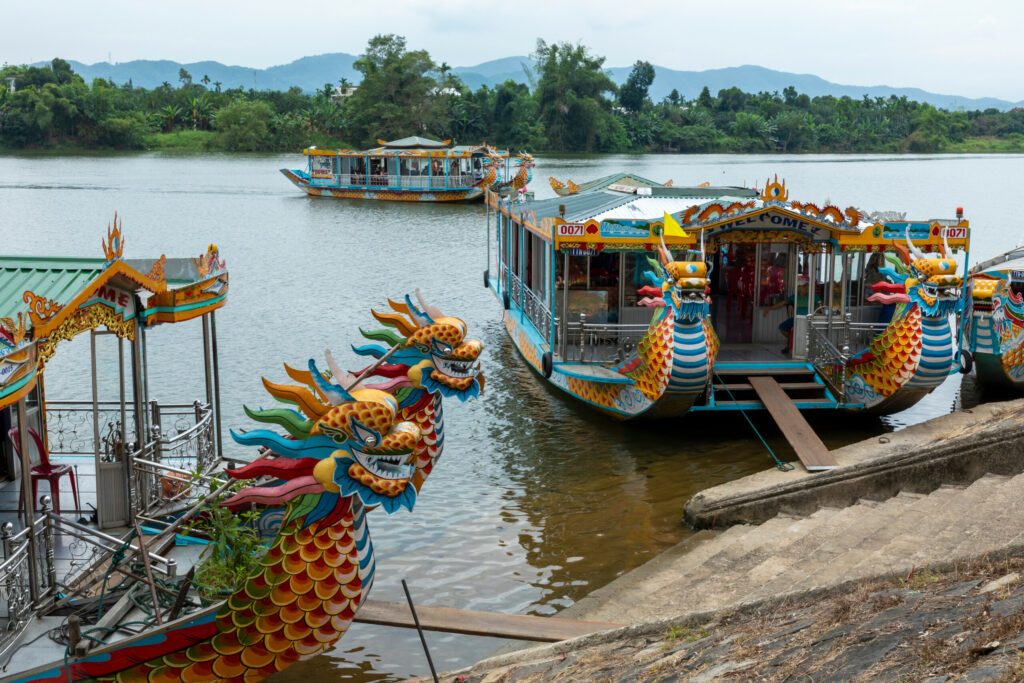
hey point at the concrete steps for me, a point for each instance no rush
(789, 554)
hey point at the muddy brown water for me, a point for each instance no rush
(536, 501)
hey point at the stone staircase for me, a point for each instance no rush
(789, 554)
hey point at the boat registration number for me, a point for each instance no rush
(571, 230)
(954, 233)
(1017, 276)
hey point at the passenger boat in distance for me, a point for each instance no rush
(995, 324)
(411, 169)
(650, 300)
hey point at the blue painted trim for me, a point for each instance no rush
(765, 365)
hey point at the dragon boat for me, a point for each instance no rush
(349, 442)
(995, 322)
(645, 300)
(412, 169)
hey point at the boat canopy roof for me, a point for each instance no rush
(45, 300)
(414, 146)
(622, 216)
(1004, 263)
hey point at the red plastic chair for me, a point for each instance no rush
(44, 470)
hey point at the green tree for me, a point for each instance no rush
(170, 115)
(244, 125)
(572, 102)
(184, 77)
(395, 94)
(633, 93)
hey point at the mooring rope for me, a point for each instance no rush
(780, 464)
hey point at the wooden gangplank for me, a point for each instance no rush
(468, 622)
(808, 446)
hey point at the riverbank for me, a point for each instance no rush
(201, 141)
(962, 623)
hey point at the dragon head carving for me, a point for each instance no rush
(681, 285)
(429, 351)
(341, 442)
(928, 280)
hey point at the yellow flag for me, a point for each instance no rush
(672, 227)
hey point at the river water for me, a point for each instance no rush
(537, 501)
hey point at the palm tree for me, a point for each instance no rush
(205, 80)
(170, 115)
(216, 86)
(200, 111)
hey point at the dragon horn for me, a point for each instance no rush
(432, 311)
(917, 253)
(945, 245)
(335, 394)
(702, 255)
(665, 253)
(346, 380)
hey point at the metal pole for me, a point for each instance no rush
(565, 305)
(216, 383)
(207, 366)
(423, 638)
(123, 393)
(30, 505)
(144, 551)
(48, 549)
(95, 400)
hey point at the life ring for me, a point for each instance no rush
(487, 278)
(505, 300)
(966, 362)
(546, 364)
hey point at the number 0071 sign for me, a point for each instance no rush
(571, 230)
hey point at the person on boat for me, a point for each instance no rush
(795, 305)
(873, 275)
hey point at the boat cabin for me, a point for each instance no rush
(787, 282)
(411, 163)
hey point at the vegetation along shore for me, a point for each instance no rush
(571, 105)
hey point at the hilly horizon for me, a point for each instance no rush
(313, 72)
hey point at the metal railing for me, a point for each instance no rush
(515, 289)
(15, 589)
(71, 426)
(602, 343)
(537, 312)
(414, 182)
(847, 336)
(164, 470)
(828, 360)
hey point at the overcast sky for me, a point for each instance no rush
(971, 48)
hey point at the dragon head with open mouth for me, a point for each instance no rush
(928, 280)
(341, 442)
(428, 350)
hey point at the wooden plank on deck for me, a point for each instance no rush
(468, 622)
(808, 446)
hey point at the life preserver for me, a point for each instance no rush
(487, 278)
(966, 362)
(505, 300)
(546, 364)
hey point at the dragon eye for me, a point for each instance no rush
(365, 435)
(441, 348)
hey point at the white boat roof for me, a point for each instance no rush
(1011, 260)
(654, 208)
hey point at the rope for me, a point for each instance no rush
(780, 464)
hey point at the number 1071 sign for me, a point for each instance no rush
(954, 233)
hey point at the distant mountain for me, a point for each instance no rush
(311, 73)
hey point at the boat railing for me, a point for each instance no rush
(536, 312)
(845, 334)
(165, 469)
(80, 428)
(410, 182)
(828, 359)
(599, 343)
(16, 589)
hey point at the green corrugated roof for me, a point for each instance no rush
(59, 279)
